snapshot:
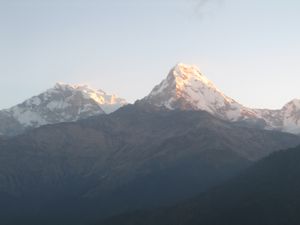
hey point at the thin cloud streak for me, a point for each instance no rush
(204, 7)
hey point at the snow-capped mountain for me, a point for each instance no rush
(109, 103)
(186, 88)
(291, 116)
(62, 103)
(286, 119)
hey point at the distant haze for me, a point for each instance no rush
(249, 49)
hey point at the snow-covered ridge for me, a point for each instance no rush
(109, 103)
(62, 103)
(186, 88)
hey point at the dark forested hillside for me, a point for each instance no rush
(135, 158)
(265, 194)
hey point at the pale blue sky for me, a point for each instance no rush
(249, 49)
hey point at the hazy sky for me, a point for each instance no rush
(249, 48)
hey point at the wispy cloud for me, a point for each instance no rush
(203, 7)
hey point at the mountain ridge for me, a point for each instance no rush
(186, 88)
(61, 103)
(266, 193)
(134, 158)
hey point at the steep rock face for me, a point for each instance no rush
(186, 88)
(62, 103)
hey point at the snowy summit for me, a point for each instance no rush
(186, 88)
(62, 103)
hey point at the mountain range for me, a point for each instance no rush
(75, 155)
(137, 157)
(62, 103)
(185, 88)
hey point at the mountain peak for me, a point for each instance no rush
(108, 103)
(186, 88)
(185, 73)
(182, 67)
(65, 86)
(61, 103)
(295, 102)
(188, 69)
(61, 85)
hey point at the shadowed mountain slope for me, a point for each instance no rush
(135, 158)
(265, 194)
